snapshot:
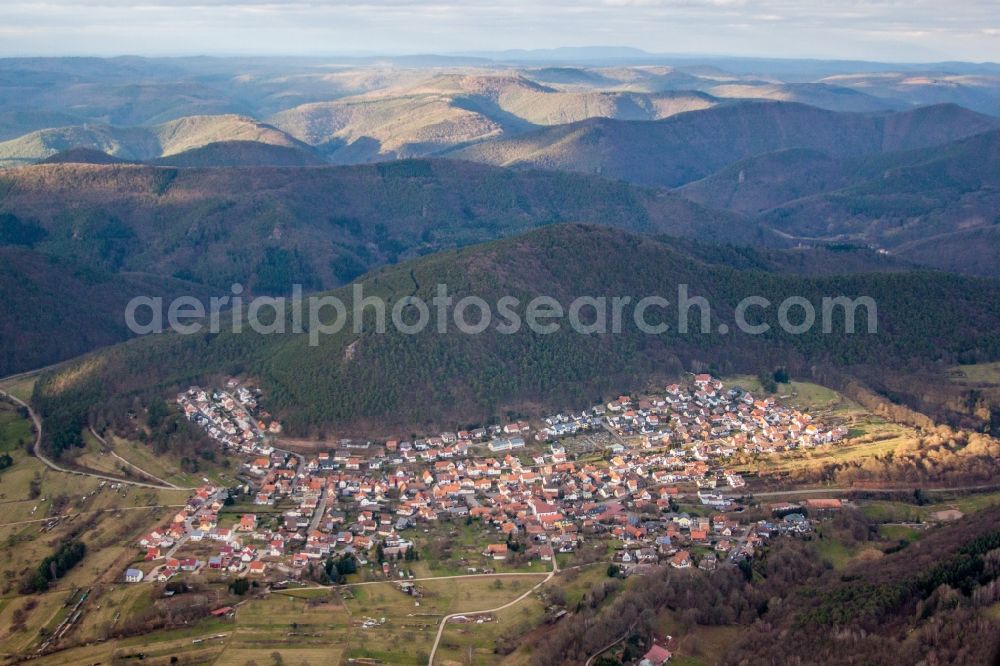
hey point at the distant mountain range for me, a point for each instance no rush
(454, 110)
(936, 206)
(140, 144)
(691, 146)
(161, 173)
(369, 108)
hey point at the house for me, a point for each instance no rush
(133, 576)
(506, 444)
(656, 656)
(681, 560)
(498, 551)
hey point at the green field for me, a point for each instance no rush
(452, 548)
(702, 645)
(168, 467)
(314, 625)
(899, 532)
(15, 432)
(20, 387)
(43, 508)
(801, 395)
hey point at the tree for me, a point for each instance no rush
(767, 383)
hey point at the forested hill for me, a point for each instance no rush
(929, 602)
(56, 308)
(268, 227)
(690, 146)
(387, 381)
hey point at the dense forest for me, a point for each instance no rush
(381, 381)
(919, 602)
(77, 242)
(56, 308)
(270, 227)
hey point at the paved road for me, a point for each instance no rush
(36, 371)
(444, 620)
(59, 468)
(319, 510)
(880, 489)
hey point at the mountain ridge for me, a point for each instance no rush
(391, 379)
(690, 146)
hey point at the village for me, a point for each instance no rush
(533, 493)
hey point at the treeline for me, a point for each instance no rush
(144, 416)
(54, 567)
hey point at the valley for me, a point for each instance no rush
(581, 355)
(449, 507)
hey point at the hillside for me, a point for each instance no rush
(691, 146)
(765, 181)
(376, 382)
(977, 91)
(219, 154)
(930, 601)
(56, 309)
(320, 226)
(140, 144)
(820, 95)
(937, 207)
(452, 110)
(82, 156)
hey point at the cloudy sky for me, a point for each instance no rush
(900, 30)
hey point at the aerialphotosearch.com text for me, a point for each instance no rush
(323, 315)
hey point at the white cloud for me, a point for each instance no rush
(874, 29)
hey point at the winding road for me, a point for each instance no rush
(37, 449)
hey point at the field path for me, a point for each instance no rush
(65, 470)
(444, 620)
(149, 475)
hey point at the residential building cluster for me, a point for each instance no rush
(668, 447)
